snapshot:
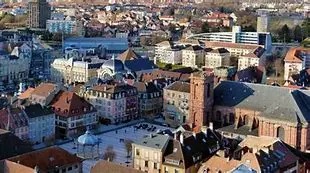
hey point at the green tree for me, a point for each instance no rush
(305, 26)
(285, 34)
(298, 35)
(205, 27)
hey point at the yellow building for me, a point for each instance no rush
(148, 153)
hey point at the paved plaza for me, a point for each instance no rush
(115, 138)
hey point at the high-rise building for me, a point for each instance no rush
(38, 12)
(262, 23)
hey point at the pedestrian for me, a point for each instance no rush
(115, 131)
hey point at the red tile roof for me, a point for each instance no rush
(293, 54)
(47, 159)
(44, 89)
(216, 44)
(110, 167)
(69, 104)
(12, 167)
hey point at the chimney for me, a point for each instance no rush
(181, 138)
(211, 125)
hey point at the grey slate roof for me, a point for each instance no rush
(157, 141)
(36, 110)
(275, 103)
(139, 64)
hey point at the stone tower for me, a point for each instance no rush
(201, 99)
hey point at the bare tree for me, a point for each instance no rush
(109, 153)
(128, 145)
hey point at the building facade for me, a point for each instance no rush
(38, 12)
(296, 60)
(73, 114)
(14, 67)
(66, 26)
(118, 103)
(14, 120)
(176, 103)
(41, 122)
(237, 36)
(148, 153)
(217, 58)
(248, 60)
(193, 56)
(150, 99)
(70, 70)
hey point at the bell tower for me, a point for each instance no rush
(201, 99)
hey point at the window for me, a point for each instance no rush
(155, 165)
(166, 170)
(176, 171)
(146, 164)
(76, 166)
(63, 170)
(70, 168)
(137, 152)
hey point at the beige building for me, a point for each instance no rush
(44, 93)
(193, 56)
(148, 153)
(176, 100)
(248, 60)
(167, 53)
(217, 58)
(70, 70)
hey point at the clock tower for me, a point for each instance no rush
(201, 99)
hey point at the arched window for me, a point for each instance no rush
(280, 133)
(218, 116)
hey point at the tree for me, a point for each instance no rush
(128, 146)
(306, 27)
(298, 35)
(285, 33)
(109, 153)
(205, 27)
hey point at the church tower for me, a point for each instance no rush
(201, 99)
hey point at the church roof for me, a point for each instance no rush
(276, 103)
(129, 54)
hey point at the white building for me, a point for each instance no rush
(248, 60)
(41, 122)
(217, 58)
(167, 53)
(237, 36)
(193, 56)
(296, 60)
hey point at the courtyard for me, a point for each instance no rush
(116, 139)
